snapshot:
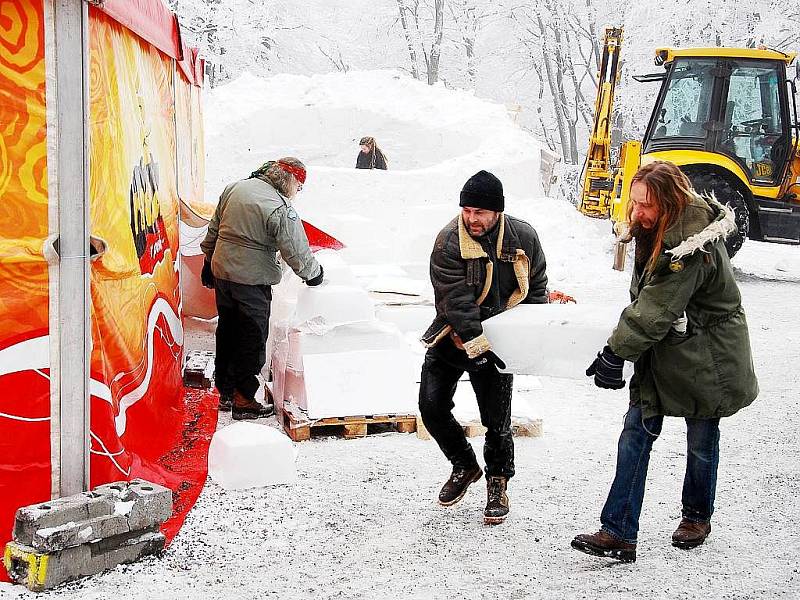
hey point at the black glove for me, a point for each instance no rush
(316, 280)
(487, 360)
(607, 370)
(207, 275)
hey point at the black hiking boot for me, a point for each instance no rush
(603, 543)
(225, 402)
(245, 408)
(496, 509)
(456, 486)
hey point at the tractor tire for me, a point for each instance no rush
(707, 183)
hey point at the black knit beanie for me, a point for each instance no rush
(483, 190)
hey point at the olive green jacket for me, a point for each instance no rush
(705, 371)
(251, 224)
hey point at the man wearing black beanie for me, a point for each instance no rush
(483, 262)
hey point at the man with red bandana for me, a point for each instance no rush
(253, 221)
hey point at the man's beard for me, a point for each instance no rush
(645, 239)
(482, 230)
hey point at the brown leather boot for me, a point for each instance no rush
(456, 486)
(496, 509)
(245, 408)
(690, 534)
(603, 543)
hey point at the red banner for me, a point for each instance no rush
(24, 280)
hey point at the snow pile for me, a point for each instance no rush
(763, 260)
(434, 138)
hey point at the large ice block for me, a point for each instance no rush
(556, 340)
(324, 307)
(246, 455)
(288, 358)
(363, 382)
(370, 335)
(407, 318)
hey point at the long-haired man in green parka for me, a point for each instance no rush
(686, 333)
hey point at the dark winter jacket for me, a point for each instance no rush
(476, 278)
(373, 159)
(251, 223)
(706, 371)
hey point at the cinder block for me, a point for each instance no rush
(107, 511)
(73, 533)
(198, 371)
(40, 571)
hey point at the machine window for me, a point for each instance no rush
(686, 106)
(753, 127)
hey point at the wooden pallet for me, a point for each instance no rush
(519, 428)
(299, 427)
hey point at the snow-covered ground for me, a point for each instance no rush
(362, 521)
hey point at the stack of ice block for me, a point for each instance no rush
(332, 357)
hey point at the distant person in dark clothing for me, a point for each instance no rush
(370, 157)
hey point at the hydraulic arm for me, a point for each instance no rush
(598, 178)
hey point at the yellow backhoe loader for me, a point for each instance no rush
(727, 117)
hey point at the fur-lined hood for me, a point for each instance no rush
(704, 221)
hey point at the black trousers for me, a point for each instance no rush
(444, 364)
(242, 331)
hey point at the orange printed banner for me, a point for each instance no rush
(140, 416)
(143, 424)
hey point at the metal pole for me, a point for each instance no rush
(73, 334)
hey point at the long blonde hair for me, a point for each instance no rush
(671, 191)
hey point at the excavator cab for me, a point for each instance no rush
(728, 117)
(735, 107)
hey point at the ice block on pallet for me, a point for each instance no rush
(364, 382)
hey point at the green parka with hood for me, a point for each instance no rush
(686, 330)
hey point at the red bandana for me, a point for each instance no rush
(298, 172)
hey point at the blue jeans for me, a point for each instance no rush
(620, 516)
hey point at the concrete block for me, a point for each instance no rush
(50, 539)
(198, 371)
(107, 511)
(40, 571)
